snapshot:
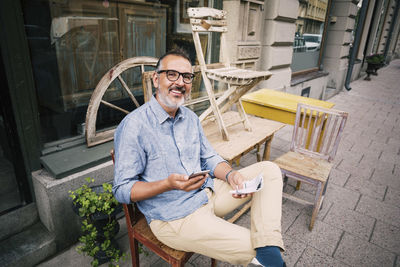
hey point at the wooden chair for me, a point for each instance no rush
(316, 136)
(239, 81)
(139, 231)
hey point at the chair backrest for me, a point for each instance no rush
(317, 131)
(206, 20)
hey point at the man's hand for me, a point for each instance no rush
(236, 180)
(182, 182)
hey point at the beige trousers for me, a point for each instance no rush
(206, 233)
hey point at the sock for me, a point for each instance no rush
(269, 256)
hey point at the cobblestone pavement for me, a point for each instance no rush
(359, 223)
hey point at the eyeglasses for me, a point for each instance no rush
(173, 75)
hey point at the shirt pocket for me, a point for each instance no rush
(192, 147)
(155, 168)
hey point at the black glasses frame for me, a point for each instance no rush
(185, 75)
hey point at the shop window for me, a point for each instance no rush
(310, 26)
(74, 43)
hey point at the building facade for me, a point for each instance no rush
(53, 54)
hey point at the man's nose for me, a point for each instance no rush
(180, 81)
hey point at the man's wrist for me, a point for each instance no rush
(227, 175)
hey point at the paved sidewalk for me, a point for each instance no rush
(359, 224)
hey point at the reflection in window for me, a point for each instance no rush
(308, 36)
(73, 44)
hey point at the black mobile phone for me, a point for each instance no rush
(199, 173)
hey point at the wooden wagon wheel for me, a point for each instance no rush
(93, 138)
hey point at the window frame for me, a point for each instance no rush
(322, 46)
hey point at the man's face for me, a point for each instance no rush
(172, 94)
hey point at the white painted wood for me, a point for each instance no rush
(315, 140)
(93, 138)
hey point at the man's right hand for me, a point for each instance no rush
(144, 190)
(182, 182)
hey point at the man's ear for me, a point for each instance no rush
(155, 79)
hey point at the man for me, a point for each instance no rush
(159, 144)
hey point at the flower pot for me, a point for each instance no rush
(372, 68)
(99, 221)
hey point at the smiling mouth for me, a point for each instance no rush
(177, 90)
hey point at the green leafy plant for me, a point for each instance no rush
(95, 206)
(375, 59)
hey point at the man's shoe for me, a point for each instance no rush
(255, 262)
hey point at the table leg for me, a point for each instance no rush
(267, 148)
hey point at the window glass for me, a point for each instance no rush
(308, 37)
(74, 43)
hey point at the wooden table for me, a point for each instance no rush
(241, 141)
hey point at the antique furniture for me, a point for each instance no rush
(278, 106)
(238, 81)
(107, 82)
(242, 142)
(315, 140)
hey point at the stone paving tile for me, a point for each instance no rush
(362, 142)
(393, 142)
(358, 252)
(386, 177)
(363, 186)
(323, 236)
(350, 221)
(379, 210)
(293, 250)
(345, 145)
(392, 197)
(275, 153)
(314, 257)
(290, 211)
(386, 236)
(361, 170)
(390, 157)
(381, 146)
(341, 196)
(338, 177)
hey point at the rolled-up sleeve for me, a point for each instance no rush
(129, 160)
(208, 156)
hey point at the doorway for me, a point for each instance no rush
(14, 186)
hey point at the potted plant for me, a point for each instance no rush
(375, 62)
(98, 208)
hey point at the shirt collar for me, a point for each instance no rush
(160, 113)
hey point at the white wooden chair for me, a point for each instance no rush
(316, 136)
(239, 81)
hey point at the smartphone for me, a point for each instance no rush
(199, 173)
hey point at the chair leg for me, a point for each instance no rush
(135, 252)
(298, 185)
(285, 181)
(317, 204)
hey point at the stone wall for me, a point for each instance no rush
(55, 206)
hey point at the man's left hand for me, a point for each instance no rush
(236, 180)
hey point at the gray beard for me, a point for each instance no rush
(167, 102)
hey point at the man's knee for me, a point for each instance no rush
(268, 166)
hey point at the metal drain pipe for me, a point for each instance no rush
(356, 43)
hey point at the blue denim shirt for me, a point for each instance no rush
(149, 146)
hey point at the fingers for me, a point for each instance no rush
(183, 182)
(241, 195)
